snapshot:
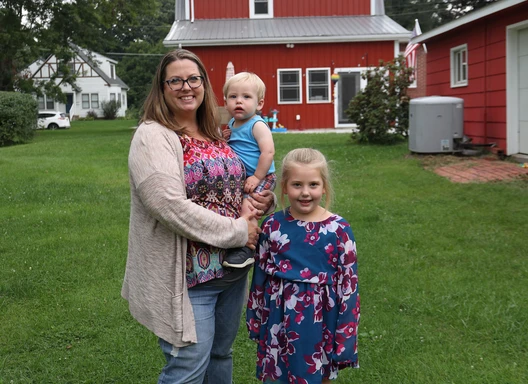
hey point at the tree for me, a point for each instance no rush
(381, 110)
(32, 29)
(430, 13)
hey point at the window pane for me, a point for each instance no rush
(85, 101)
(41, 102)
(95, 100)
(318, 94)
(261, 7)
(318, 85)
(318, 77)
(112, 96)
(289, 94)
(50, 104)
(289, 78)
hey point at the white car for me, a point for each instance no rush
(53, 120)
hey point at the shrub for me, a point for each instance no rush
(18, 118)
(132, 114)
(91, 115)
(110, 109)
(381, 110)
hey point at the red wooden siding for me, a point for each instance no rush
(232, 9)
(236, 9)
(485, 95)
(265, 60)
(297, 8)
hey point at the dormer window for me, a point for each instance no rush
(261, 9)
(112, 71)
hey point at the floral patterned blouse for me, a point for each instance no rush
(214, 178)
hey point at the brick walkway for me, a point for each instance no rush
(481, 171)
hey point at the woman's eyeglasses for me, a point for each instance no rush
(176, 84)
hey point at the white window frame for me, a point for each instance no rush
(46, 103)
(279, 87)
(459, 67)
(253, 15)
(308, 85)
(94, 97)
(85, 103)
(112, 71)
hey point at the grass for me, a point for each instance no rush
(442, 266)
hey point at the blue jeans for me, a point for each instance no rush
(217, 314)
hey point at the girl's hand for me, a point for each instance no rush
(253, 228)
(262, 202)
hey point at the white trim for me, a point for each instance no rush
(403, 38)
(252, 14)
(187, 11)
(478, 14)
(362, 85)
(512, 87)
(299, 71)
(372, 7)
(396, 48)
(453, 66)
(308, 101)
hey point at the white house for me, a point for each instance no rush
(97, 81)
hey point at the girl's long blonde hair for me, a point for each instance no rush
(307, 157)
(155, 108)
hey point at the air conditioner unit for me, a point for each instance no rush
(434, 124)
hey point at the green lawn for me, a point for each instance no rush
(443, 267)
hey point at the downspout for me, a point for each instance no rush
(486, 80)
(192, 11)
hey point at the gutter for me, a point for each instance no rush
(402, 38)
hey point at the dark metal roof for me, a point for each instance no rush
(285, 30)
(117, 81)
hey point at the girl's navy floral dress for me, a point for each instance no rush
(303, 307)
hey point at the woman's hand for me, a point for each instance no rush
(262, 202)
(253, 228)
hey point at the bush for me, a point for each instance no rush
(91, 115)
(132, 114)
(18, 118)
(381, 110)
(110, 109)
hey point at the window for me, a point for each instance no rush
(112, 97)
(459, 66)
(318, 85)
(85, 101)
(289, 86)
(46, 103)
(260, 9)
(112, 71)
(95, 101)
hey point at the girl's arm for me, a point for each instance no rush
(255, 306)
(345, 338)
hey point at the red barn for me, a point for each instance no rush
(483, 59)
(294, 46)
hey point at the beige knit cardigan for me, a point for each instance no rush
(162, 218)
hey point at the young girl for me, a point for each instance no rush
(303, 307)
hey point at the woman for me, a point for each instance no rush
(186, 194)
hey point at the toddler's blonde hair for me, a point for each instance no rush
(307, 157)
(246, 77)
